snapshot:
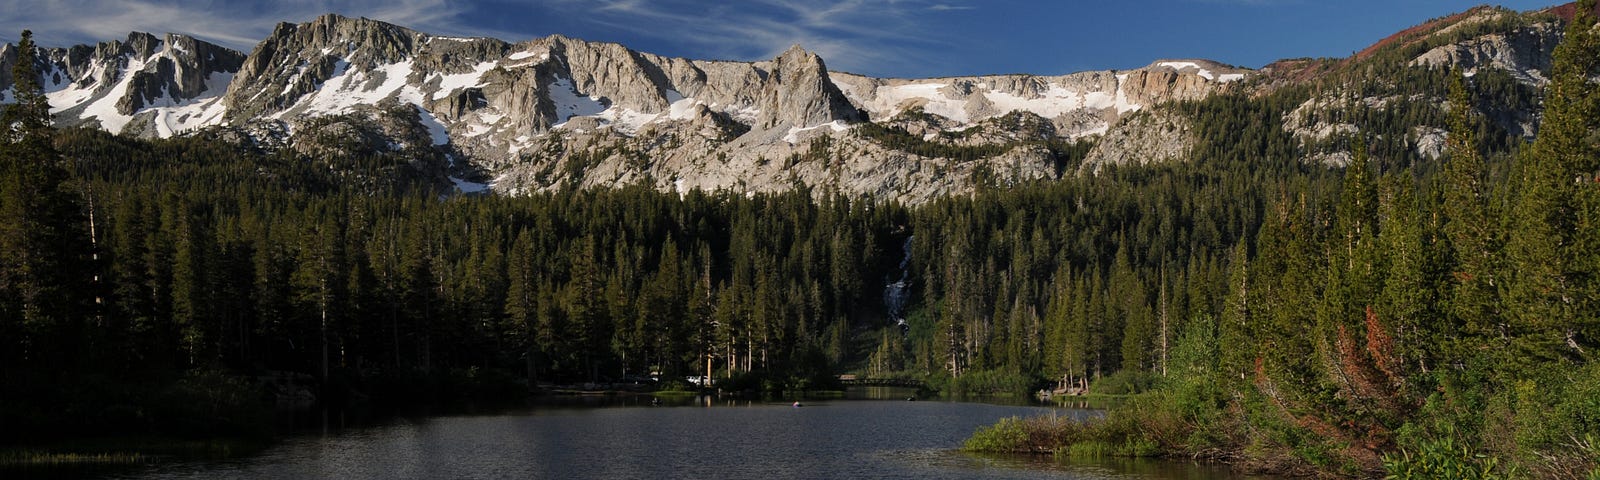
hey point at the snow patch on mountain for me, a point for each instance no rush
(967, 101)
(527, 54)
(174, 117)
(104, 108)
(626, 120)
(67, 94)
(485, 123)
(347, 88)
(890, 100)
(1202, 71)
(436, 130)
(449, 84)
(680, 108)
(793, 137)
(465, 186)
(1120, 101)
(569, 103)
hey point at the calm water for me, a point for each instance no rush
(697, 438)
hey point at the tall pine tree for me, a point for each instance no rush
(43, 241)
(1552, 265)
(1473, 235)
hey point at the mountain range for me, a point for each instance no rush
(556, 112)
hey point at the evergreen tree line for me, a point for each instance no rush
(267, 272)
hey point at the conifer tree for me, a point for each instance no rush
(584, 307)
(43, 244)
(1405, 309)
(1473, 235)
(521, 308)
(1551, 280)
(1238, 323)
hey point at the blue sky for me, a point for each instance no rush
(889, 38)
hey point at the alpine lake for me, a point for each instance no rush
(871, 432)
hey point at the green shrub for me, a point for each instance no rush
(1114, 435)
(1124, 382)
(1139, 447)
(1009, 435)
(987, 382)
(1441, 458)
(1086, 449)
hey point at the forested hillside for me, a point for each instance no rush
(1431, 320)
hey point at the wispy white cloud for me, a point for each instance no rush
(235, 24)
(855, 35)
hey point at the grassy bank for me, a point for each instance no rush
(38, 459)
(1537, 431)
(125, 450)
(1062, 437)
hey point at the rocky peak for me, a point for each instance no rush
(174, 65)
(377, 41)
(612, 71)
(8, 58)
(141, 45)
(797, 52)
(800, 94)
(522, 114)
(296, 59)
(179, 73)
(1174, 80)
(1522, 47)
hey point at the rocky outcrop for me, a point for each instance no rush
(674, 158)
(1430, 141)
(798, 93)
(614, 72)
(295, 60)
(179, 75)
(1148, 137)
(1169, 80)
(1524, 53)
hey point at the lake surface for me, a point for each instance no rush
(697, 438)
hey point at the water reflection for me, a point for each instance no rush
(624, 436)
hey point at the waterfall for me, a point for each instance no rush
(896, 291)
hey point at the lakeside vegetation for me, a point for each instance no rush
(1415, 322)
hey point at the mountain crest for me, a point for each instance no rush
(297, 60)
(800, 94)
(554, 112)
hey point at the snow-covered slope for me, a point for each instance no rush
(1079, 105)
(144, 85)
